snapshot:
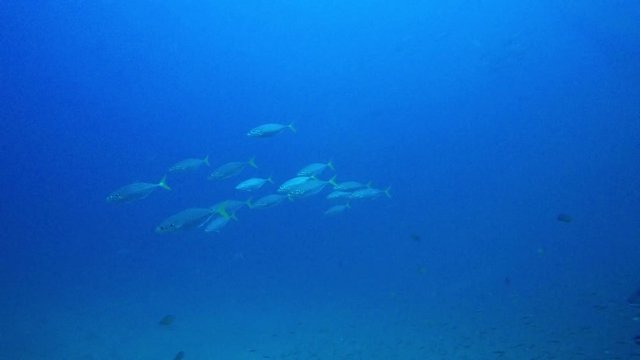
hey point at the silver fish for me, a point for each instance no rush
(336, 195)
(267, 201)
(309, 188)
(268, 130)
(289, 184)
(369, 193)
(217, 223)
(185, 219)
(231, 169)
(189, 164)
(350, 186)
(136, 191)
(253, 184)
(315, 169)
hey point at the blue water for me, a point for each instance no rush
(487, 119)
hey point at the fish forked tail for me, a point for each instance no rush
(270, 179)
(248, 203)
(206, 160)
(290, 126)
(252, 162)
(163, 183)
(332, 181)
(387, 193)
(222, 211)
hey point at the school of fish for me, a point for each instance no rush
(307, 182)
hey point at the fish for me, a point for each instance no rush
(217, 223)
(185, 219)
(337, 195)
(189, 164)
(564, 218)
(231, 169)
(268, 130)
(267, 201)
(337, 209)
(315, 169)
(167, 320)
(309, 188)
(253, 184)
(289, 184)
(369, 193)
(136, 191)
(350, 186)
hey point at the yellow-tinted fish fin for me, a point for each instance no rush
(163, 183)
(332, 181)
(222, 210)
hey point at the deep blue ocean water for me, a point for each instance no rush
(487, 119)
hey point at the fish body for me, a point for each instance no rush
(268, 130)
(136, 191)
(231, 169)
(189, 164)
(185, 219)
(369, 193)
(267, 201)
(309, 188)
(315, 169)
(293, 182)
(350, 186)
(337, 195)
(337, 209)
(253, 184)
(217, 223)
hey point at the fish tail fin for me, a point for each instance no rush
(387, 193)
(252, 162)
(222, 210)
(163, 183)
(206, 160)
(330, 165)
(290, 126)
(332, 181)
(348, 204)
(233, 217)
(270, 179)
(248, 203)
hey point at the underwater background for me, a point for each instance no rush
(508, 132)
